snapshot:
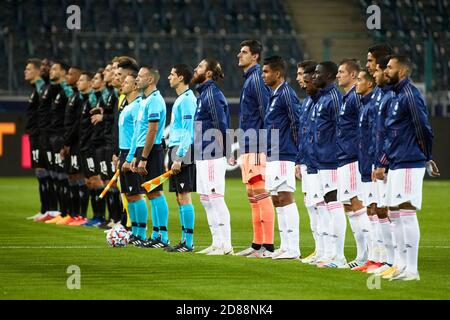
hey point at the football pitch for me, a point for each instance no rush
(35, 257)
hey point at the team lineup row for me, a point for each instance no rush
(363, 154)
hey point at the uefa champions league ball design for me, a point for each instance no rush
(117, 237)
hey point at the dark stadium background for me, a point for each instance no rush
(164, 32)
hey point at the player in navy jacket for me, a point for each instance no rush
(325, 144)
(409, 140)
(306, 168)
(349, 179)
(213, 113)
(254, 97)
(383, 97)
(212, 119)
(377, 214)
(282, 117)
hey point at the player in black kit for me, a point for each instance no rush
(104, 153)
(32, 75)
(47, 95)
(89, 140)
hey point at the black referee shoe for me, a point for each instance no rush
(181, 247)
(135, 240)
(157, 243)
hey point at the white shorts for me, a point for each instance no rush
(211, 176)
(381, 192)
(314, 193)
(328, 180)
(304, 173)
(349, 182)
(405, 185)
(280, 176)
(370, 193)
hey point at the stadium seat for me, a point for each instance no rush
(167, 29)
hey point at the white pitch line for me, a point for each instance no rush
(52, 247)
(105, 246)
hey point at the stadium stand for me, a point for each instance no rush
(407, 24)
(159, 32)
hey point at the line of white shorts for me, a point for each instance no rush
(400, 186)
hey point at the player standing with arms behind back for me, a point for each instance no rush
(325, 144)
(212, 119)
(254, 98)
(282, 118)
(349, 179)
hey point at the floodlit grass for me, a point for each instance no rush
(34, 258)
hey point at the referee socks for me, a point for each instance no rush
(141, 213)
(162, 213)
(187, 214)
(134, 225)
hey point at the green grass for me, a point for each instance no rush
(34, 258)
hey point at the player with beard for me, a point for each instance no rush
(212, 119)
(409, 140)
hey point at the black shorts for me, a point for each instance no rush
(155, 163)
(37, 155)
(46, 152)
(104, 157)
(109, 162)
(57, 144)
(130, 183)
(89, 164)
(73, 161)
(185, 181)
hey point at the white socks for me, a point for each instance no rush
(374, 252)
(357, 223)
(293, 232)
(385, 228)
(399, 239)
(212, 221)
(339, 226)
(320, 250)
(289, 227)
(222, 215)
(282, 228)
(411, 232)
(325, 226)
(312, 212)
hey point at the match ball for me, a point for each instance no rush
(117, 237)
